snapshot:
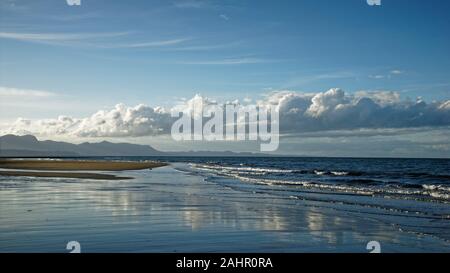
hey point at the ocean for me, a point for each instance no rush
(235, 204)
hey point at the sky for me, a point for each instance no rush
(58, 61)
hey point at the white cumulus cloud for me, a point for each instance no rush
(333, 110)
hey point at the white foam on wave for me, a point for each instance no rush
(436, 187)
(340, 173)
(336, 173)
(307, 184)
(352, 189)
(242, 169)
(434, 191)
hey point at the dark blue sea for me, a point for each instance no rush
(426, 180)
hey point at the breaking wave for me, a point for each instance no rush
(345, 182)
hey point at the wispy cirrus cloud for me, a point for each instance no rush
(377, 77)
(224, 17)
(206, 47)
(7, 92)
(396, 72)
(231, 61)
(14, 100)
(192, 4)
(36, 37)
(12, 6)
(387, 75)
(205, 4)
(305, 79)
(160, 43)
(63, 39)
(75, 17)
(94, 40)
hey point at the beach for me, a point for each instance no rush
(64, 175)
(71, 168)
(180, 208)
(78, 165)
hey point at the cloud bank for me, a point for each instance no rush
(121, 121)
(300, 113)
(336, 110)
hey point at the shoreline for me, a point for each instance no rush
(78, 165)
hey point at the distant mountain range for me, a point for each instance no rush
(30, 146)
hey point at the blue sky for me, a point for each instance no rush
(155, 52)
